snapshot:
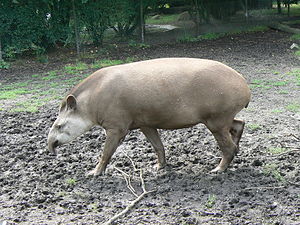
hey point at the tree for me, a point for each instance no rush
(96, 17)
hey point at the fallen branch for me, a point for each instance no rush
(287, 152)
(285, 28)
(295, 137)
(132, 163)
(262, 188)
(132, 204)
(127, 178)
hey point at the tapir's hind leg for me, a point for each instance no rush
(221, 131)
(153, 137)
(236, 131)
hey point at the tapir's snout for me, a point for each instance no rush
(52, 145)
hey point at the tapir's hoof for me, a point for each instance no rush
(160, 166)
(218, 169)
(94, 173)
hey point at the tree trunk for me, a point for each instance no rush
(197, 17)
(279, 6)
(77, 38)
(246, 10)
(288, 8)
(142, 22)
(0, 51)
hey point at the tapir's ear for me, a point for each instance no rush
(71, 102)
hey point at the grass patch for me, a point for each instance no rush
(278, 83)
(276, 150)
(137, 45)
(71, 181)
(105, 63)
(211, 201)
(186, 38)
(297, 53)
(31, 105)
(277, 111)
(283, 92)
(272, 170)
(296, 74)
(213, 36)
(15, 85)
(210, 36)
(295, 37)
(268, 84)
(13, 94)
(51, 75)
(35, 75)
(294, 107)
(73, 68)
(253, 126)
(257, 29)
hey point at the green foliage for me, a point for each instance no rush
(71, 181)
(96, 16)
(73, 68)
(134, 44)
(293, 107)
(50, 75)
(210, 36)
(126, 17)
(272, 170)
(105, 62)
(295, 37)
(267, 84)
(257, 29)
(297, 53)
(217, 9)
(4, 65)
(211, 201)
(13, 94)
(276, 150)
(253, 126)
(186, 38)
(32, 25)
(296, 74)
(277, 111)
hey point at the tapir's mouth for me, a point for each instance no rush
(52, 147)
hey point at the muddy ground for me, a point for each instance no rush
(262, 185)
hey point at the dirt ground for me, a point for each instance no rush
(262, 185)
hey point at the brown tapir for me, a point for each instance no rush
(166, 93)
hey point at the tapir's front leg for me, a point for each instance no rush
(113, 139)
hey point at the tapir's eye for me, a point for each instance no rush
(59, 126)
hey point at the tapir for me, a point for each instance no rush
(165, 93)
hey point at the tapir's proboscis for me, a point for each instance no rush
(166, 93)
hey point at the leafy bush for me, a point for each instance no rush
(4, 65)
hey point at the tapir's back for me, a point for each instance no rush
(170, 89)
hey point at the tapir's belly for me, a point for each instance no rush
(173, 112)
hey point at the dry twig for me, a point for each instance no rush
(287, 152)
(295, 137)
(262, 188)
(132, 204)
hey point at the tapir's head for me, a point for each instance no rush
(70, 123)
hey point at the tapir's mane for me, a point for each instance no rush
(79, 88)
(87, 83)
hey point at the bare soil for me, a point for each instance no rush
(262, 186)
